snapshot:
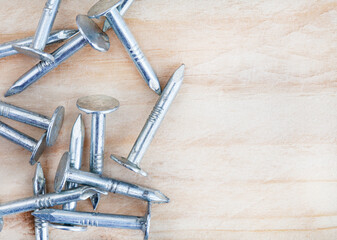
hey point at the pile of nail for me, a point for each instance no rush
(72, 184)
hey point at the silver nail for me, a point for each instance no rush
(122, 9)
(36, 147)
(75, 154)
(98, 106)
(89, 32)
(6, 49)
(39, 188)
(51, 125)
(110, 9)
(152, 124)
(46, 201)
(66, 173)
(98, 219)
(42, 33)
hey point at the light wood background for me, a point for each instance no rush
(248, 149)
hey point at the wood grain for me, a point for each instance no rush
(248, 148)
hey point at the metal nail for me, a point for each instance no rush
(122, 9)
(152, 124)
(39, 188)
(110, 9)
(46, 201)
(36, 147)
(6, 49)
(52, 125)
(75, 154)
(66, 173)
(98, 219)
(41, 35)
(89, 32)
(98, 106)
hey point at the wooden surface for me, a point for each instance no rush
(248, 149)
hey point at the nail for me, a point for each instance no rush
(75, 154)
(41, 35)
(6, 49)
(66, 173)
(52, 125)
(39, 188)
(122, 9)
(46, 201)
(97, 219)
(89, 32)
(152, 124)
(98, 106)
(36, 147)
(110, 9)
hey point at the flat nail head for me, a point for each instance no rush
(34, 53)
(102, 7)
(97, 104)
(55, 125)
(92, 33)
(128, 164)
(61, 173)
(39, 148)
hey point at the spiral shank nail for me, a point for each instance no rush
(4, 111)
(113, 186)
(49, 6)
(42, 65)
(97, 166)
(39, 223)
(136, 53)
(88, 222)
(44, 203)
(155, 114)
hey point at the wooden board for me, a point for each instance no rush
(248, 149)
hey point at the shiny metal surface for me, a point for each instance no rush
(152, 124)
(75, 155)
(52, 125)
(122, 9)
(47, 200)
(36, 147)
(77, 42)
(97, 219)
(66, 173)
(42, 32)
(6, 49)
(39, 188)
(98, 106)
(110, 9)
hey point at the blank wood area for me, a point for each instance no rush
(248, 149)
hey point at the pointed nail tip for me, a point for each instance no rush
(8, 94)
(94, 202)
(11, 92)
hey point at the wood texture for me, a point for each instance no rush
(248, 149)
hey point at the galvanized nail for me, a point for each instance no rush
(98, 106)
(51, 125)
(6, 49)
(42, 33)
(36, 147)
(89, 32)
(152, 124)
(110, 9)
(66, 173)
(98, 219)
